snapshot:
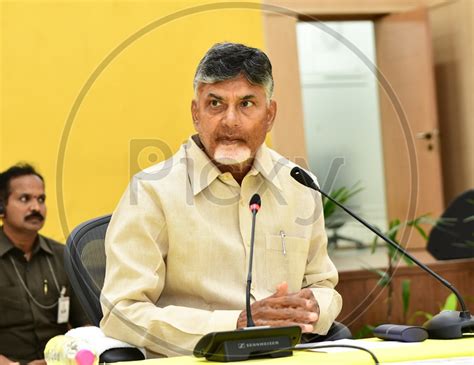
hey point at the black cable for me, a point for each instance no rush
(306, 347)
(349, 346)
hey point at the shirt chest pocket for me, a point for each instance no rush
(13, 308)
(285, 260)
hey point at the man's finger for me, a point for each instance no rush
(312, 303)
(305, 293)
(305, 328)
(286, 301)
(281, 290)
(288, 314)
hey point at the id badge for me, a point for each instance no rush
(63, 309)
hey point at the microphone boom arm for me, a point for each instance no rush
(303, 178)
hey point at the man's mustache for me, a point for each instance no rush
(230, 137)
(34, 215)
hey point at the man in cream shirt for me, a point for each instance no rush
(178, 243)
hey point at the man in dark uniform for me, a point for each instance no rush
(36, 302)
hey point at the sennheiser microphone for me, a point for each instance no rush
(445, 325)
(254, 206)
(252, 341)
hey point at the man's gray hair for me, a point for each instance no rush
(226, 61)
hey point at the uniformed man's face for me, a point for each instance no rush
(25, 209)
(232, 118)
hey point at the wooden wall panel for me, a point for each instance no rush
(288, 131)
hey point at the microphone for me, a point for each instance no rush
(445, 325)
(254, 206)
(251, 341)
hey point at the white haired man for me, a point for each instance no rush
(178, 243)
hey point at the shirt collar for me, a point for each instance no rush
(43, 244)
(266, 166)
(202, 171)
(7, 245)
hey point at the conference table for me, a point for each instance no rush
(459, 351)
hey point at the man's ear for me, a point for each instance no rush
(194, 114)
(271, 114)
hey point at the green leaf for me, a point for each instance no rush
(421, 231)
(393, 254)
(374, 244)
(445, 224)
(468, 219)
(405, 296)
(384, 278)
(366, 331)
(451, 303)
(341, 195)
(353, 190)
(393, 228)
(407, 260)
(417, 314)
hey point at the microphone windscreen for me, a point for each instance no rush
(303, 177)
(255, 200)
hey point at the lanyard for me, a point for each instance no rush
(28, 291)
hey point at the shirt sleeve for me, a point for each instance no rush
(136, 249)
(321, 274)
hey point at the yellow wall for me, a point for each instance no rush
(49, 50)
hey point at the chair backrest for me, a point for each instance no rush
(452, 237)
(84, 260)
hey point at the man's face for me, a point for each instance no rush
(25, 210)
(232, 118)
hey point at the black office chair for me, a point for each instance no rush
(84, 261)
(453, 235)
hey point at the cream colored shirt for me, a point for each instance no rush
(178, 244)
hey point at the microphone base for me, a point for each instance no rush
(251, 342)
(449, 325)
